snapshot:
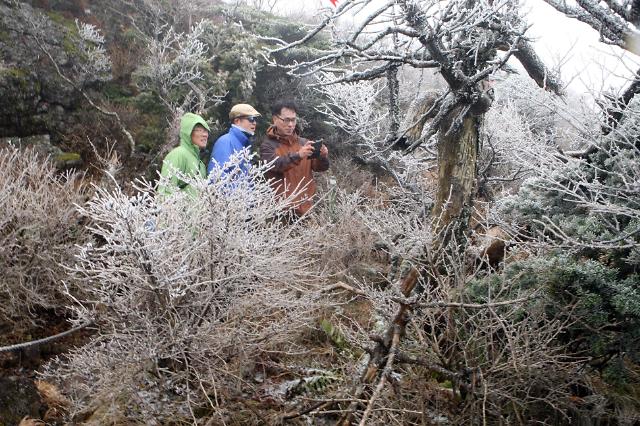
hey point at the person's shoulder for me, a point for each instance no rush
(225, 135)
(175, 152)
(175, 158)
(223, 142)
(223, 139)
(268, 143)
(178, 153)
(266, 136)
(269, 139)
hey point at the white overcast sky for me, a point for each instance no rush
(586, 64)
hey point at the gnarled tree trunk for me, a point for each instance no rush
(457, 160)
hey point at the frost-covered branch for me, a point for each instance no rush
(460, 39)
(616, 23)
(357, 109)
(38, 229)
(96, 64)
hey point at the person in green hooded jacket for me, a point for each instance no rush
(194, 132)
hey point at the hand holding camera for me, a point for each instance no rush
(317, 147)
(311, 149)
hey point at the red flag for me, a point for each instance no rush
(334, 2)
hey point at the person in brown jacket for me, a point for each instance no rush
(295, 157)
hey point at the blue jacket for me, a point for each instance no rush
(227, 145)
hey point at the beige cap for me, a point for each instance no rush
(243, 110)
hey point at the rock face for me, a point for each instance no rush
(33, 98)
(18, 398)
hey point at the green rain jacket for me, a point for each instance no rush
(185, 157)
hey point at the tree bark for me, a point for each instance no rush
(457, 161)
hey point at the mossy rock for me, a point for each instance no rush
(117, 93)
(41, 143)
(5, 36)
(61, 20)
(18, 77)
(17, 73)
(67, 160)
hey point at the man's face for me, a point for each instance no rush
(285, 122)
(247, 123)
(199, 136)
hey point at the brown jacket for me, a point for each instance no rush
(289, 171)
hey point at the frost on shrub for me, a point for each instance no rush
(97, 64)
(601, 306)
(508, 138)
(175, 65)
(588, 206)
(186, 293)
(590, 202)
(509, 355)
(356, 108)
(39, 227)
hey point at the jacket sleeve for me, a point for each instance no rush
(220, 154)
(283, 162)
(320, 164)
(172, 162)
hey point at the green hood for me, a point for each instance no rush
(184, 158)
(187, 123)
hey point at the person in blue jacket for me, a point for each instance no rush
(243, 119)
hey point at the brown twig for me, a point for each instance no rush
(307, 410)
(406, 283)
(464, 305)
(387, 370)
(347, 287)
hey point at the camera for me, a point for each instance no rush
(317, 145)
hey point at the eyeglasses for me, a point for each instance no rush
(200, 130)
(288, 120)
(251, 118)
